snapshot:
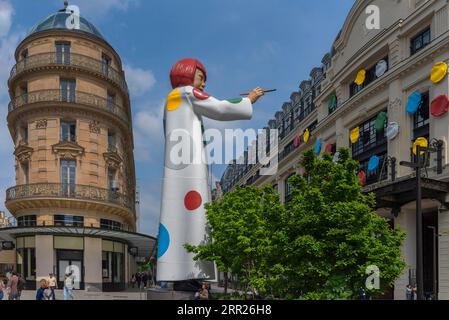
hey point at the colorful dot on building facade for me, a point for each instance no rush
(174, 100)
(192, 200)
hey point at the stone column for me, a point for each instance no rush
(93, 277)
(45, 257)
(400, 146)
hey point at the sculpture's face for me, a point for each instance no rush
(199, 81)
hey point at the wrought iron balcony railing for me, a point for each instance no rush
(64, 96)
(70, 191)
(74, 60)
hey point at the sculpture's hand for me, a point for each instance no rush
(256, 94)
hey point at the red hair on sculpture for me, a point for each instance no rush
(183, 72)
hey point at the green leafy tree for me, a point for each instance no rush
(335, 234)
(240, 237)
(317, 246)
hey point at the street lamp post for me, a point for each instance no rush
(417, 165)
(434, 278)
(436, 146)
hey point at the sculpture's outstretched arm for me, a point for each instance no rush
(221, 110)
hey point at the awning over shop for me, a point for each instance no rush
(398, 193)
(145, 244)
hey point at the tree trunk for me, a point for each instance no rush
(225, 283)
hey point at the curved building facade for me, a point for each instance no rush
(71, 124)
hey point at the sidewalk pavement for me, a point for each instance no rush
(133, 294)
(29, 295)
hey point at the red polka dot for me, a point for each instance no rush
(193, 200)
(201, 95)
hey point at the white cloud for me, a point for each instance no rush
(149, 132)
(6, 13)
(102, 7)
(140, 81)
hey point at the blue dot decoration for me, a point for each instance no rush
(318, 147)
(373, 163)
(163, 241)
(414, 102)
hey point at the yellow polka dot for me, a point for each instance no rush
(174, 100)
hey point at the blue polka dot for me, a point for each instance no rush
(163, 241)
(373, 163)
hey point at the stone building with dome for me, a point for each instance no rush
(75, 195)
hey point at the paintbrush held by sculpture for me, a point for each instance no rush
(265, 91)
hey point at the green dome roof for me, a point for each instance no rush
(57, 21)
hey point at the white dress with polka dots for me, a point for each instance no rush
(185, 185)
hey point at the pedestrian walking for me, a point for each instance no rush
(133, 281)
(408, 292)
(144, 279)
(2, 289)
(52, 285)
(69, 283)
(138, 279)
(414, 292)
(204, 292)
(12, 287)
(20, 286)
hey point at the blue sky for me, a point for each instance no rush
(243, 44)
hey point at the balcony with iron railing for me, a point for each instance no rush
(63, 96)
(44, 195)
(72, 60)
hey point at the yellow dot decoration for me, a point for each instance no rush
(439, 72)
(361, 76)
(422, 142)
(174, 100)
(306, 136)
(355, 135)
